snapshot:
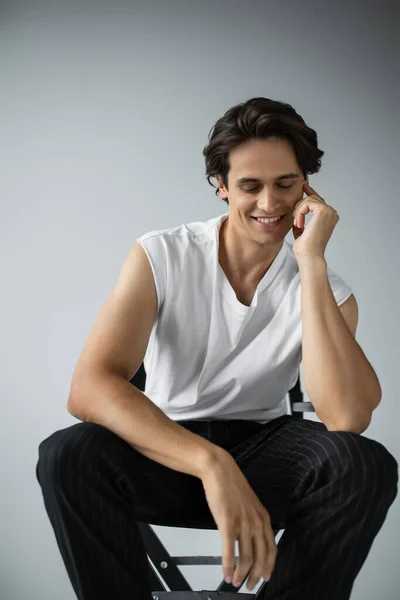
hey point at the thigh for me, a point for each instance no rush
(287, 456)
(277, 458)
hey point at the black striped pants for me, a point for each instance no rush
(329, 490)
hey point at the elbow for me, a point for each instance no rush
(80, 393)
(357, 421)
(72, 408)
(75, 408)
(355, 425)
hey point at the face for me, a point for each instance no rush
(265, 193)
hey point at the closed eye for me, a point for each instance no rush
(286, 187)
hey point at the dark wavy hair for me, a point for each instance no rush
(259, 118)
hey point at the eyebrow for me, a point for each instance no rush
(284, 176)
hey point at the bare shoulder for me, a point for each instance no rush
(119, 336)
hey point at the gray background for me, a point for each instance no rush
(104, 114)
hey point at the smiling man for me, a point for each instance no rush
(223, 312)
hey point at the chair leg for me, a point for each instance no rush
(162, 560)
(156, 585)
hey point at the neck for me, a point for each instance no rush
(244, 259)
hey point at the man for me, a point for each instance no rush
(222, 312)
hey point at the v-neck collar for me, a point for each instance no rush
(224, 284)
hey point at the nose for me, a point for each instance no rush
(267, 202)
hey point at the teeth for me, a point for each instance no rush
(269, 220)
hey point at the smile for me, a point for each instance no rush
(268, 225)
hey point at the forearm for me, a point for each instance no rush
(340, 381)
(113, 402)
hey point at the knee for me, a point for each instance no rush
(62, 450)
(369, 465)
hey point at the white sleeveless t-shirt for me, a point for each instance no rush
(209, 356)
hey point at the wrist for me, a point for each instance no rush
(313, 262)
(212, 461)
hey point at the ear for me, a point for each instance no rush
(220, 185)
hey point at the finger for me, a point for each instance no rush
(301, 220)
(296, 222)
(296, 210)
(310, 191)
(228, 553)
(272, 551)
(260, 553)
(245, 557)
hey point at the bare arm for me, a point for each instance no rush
(125, 410)
(101, 391)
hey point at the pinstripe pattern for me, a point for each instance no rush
(329, 491)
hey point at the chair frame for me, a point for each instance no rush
(162, 564)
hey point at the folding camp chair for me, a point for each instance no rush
(167, 566)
